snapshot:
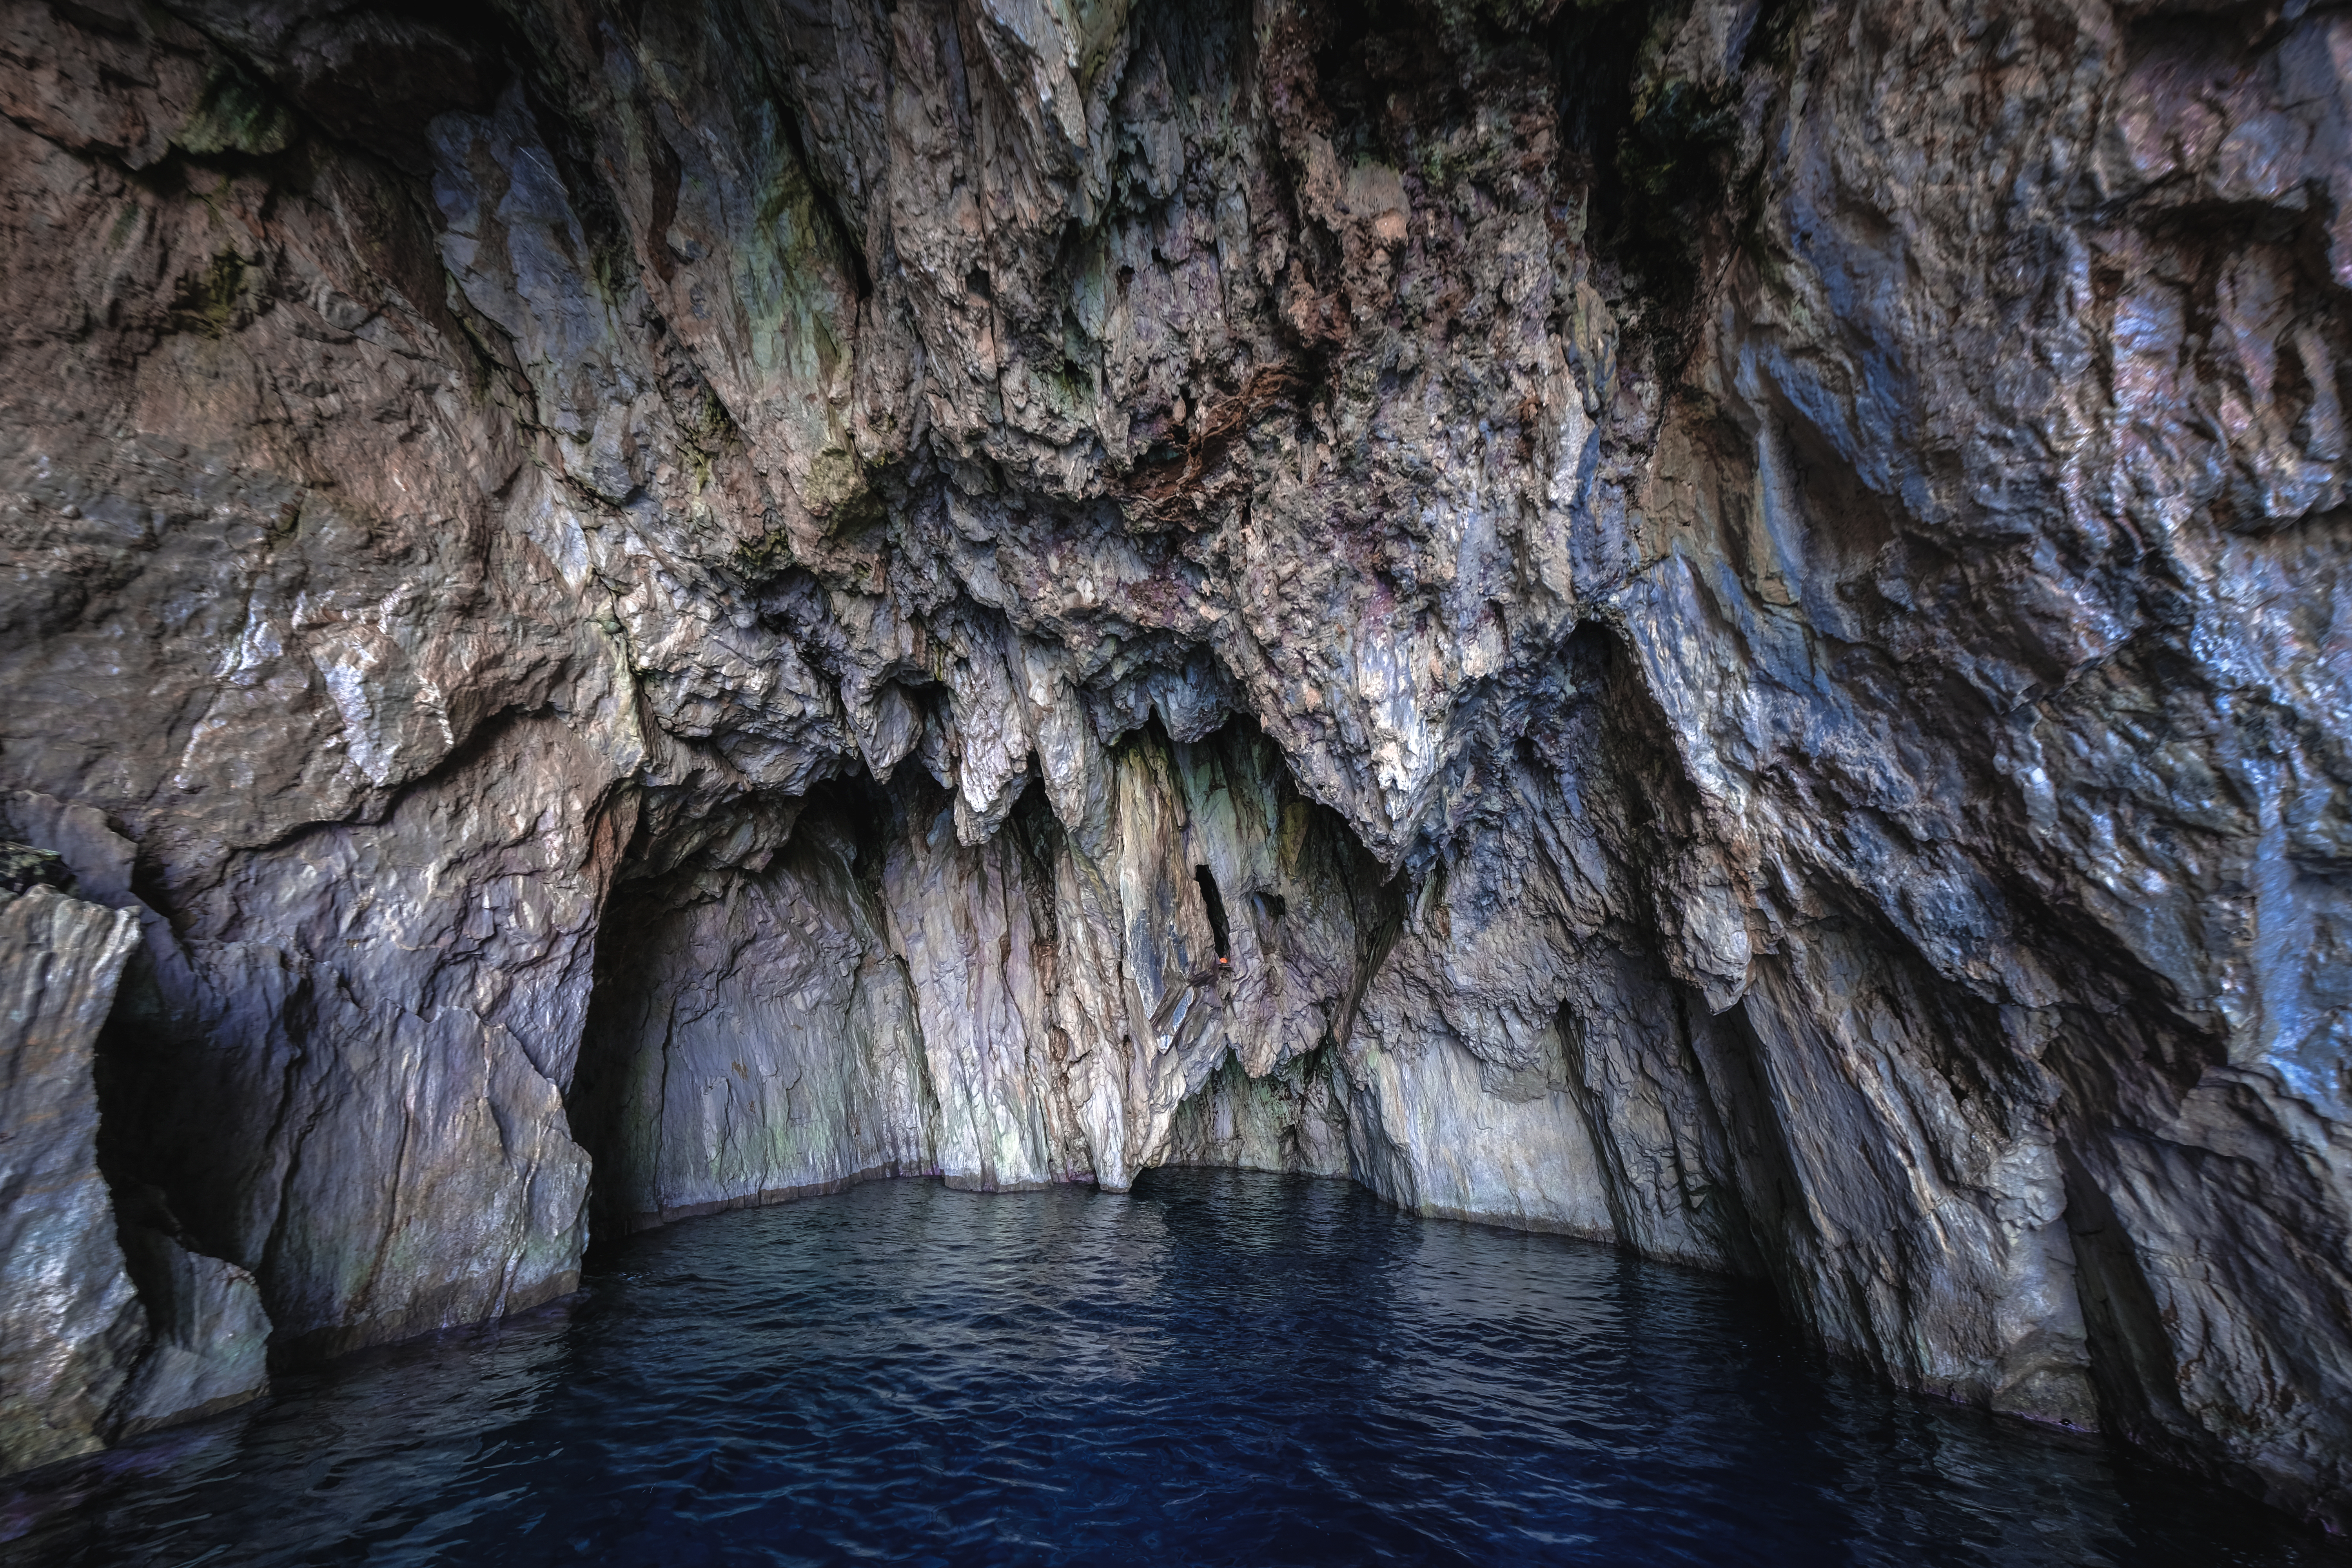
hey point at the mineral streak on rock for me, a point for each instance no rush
(1720, 626)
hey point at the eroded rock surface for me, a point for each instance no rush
(1714, 626)
(87, 1354)
(72, 1332)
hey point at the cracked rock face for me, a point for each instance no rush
(71, 1315)
(105, 1330)
(1721, 627)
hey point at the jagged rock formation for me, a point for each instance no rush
(104, 1332)
(1714, 626)
(70, 1314)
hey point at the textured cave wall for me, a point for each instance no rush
(112, 1323)
(1747, 608)
(750, 1038)
(879, 997)
(71, 1317)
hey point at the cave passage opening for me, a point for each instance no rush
(1213, 901)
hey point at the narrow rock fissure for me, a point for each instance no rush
(1214, 905)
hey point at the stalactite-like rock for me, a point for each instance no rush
(1715, 626)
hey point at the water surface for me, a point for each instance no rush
(1219, 1368)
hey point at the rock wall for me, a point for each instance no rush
(109, 1327)
(73, 1332)
(1716, 625)
(879, 997)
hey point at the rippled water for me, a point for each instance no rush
(1218, 1368)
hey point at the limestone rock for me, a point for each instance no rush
(1712, 627)
(70, 1327)
(208, 1338)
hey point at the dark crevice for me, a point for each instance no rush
(1216, 904)
(2131, 1364)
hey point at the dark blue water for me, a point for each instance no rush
(1218, 1368)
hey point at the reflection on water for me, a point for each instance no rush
(1220, 1368)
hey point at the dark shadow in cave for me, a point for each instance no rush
(664, 874)
(1216, 904)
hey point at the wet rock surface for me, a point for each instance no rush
(1717, 626)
